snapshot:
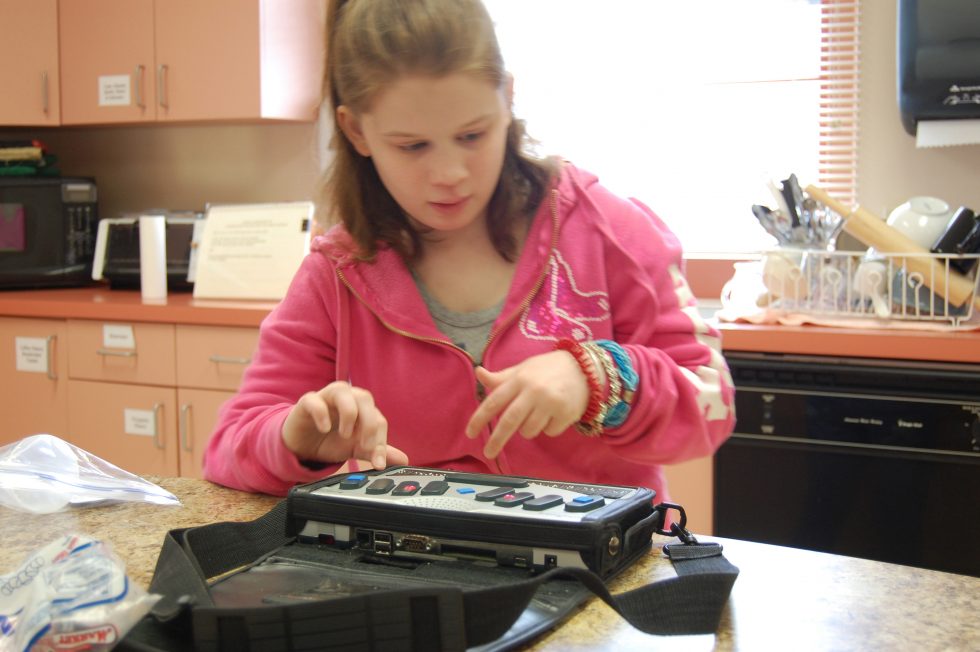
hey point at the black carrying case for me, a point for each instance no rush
(255, 586)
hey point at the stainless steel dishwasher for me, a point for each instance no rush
(869, 458)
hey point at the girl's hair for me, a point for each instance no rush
(371, 43)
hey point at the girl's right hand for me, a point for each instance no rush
(338, 423)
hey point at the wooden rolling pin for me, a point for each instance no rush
(874, 232)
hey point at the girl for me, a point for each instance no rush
(476, 308)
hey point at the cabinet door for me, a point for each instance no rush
(121, 352)
(29, 82)
(213, 357)
(34, 375)
(207, 55)
(198, 412)
(107, 65)
(131, 426)
(692, 485)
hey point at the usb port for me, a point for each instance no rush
(382, 543)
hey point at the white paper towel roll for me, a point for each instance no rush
(153, 257)
(944, 133)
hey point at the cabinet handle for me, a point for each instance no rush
(162, 98)
(184, 426)
(138, 75)
(157, 440)
(227, 359)
(44, 92)
(49, 342)
(117, 354)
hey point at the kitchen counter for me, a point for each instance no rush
(783, 599)
(182, 308)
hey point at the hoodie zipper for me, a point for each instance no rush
(525, 303)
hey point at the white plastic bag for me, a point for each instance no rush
(72, 594)
(44, 474)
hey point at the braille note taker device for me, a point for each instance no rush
(412, 512)
(415, 558)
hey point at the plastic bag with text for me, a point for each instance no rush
(72, 594)
(42, 474)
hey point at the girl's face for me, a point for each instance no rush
(438, 145)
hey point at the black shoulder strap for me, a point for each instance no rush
(417, 618)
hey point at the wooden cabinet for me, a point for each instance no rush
(34, 375)
(125, 61)
(142, 396)
(692, 485)
(29, 79)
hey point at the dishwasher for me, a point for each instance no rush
(870, 458)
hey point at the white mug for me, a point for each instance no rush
(921, 219)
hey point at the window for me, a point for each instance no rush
(690, 106)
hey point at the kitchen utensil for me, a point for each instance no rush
(872, 231)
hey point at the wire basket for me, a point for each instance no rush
(920, 287)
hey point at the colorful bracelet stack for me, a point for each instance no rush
(608, 406)
(616, 415)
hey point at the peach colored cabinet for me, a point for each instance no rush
(210, 364)
(131, 426)
(122, 352)
(126, 61)
(692, 485)
(33, 378)
(29, 76)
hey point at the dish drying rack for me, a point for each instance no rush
(885, 286)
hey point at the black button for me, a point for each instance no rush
(492, 480)
(513, 499)
(544, 502)
(435, 488)
(493, 494)
(407, 488)
(354, 481)
(380, 486)
(584, 503)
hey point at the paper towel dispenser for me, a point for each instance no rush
(938, 60)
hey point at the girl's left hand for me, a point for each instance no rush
(545, 393)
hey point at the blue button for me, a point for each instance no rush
(356, 477)
(584, 499)
(466, 490)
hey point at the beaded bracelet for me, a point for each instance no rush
(585, 362)
(618, 413)
(615, 394)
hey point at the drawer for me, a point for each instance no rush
(135, 353)
(213, 357)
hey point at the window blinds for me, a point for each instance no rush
(839, 94)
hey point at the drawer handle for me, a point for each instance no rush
(49, 343)
(118, 354)
(157, 440)
(227, 359)
(184, 425)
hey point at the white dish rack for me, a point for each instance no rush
(858, 284)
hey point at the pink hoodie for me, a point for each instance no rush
(594, 266)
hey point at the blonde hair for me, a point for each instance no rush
(370, 44)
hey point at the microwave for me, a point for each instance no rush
(117, 249)
(47, 231)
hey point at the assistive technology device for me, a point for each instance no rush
(418, 558)
(421, 513)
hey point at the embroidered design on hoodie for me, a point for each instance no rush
(561, 309)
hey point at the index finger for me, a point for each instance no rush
(490, 407)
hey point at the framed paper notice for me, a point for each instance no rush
(252, 251)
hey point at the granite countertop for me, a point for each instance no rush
(783, 599)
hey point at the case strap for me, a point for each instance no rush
(411, 619)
